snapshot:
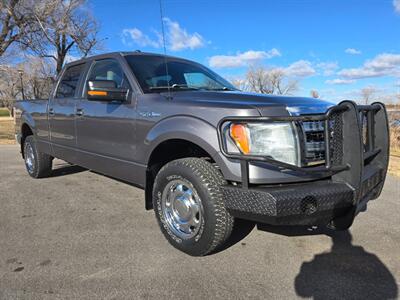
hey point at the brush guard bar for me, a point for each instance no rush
(356, 147)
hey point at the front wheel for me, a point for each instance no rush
(37, 164)
(189, 206)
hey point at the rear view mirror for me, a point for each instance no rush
(106, 90)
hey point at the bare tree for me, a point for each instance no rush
(397, 99)
(258, 80)
(65, 28)
(367, 94)
(16, 22)
(314, 94)
(35, 76)
(38, 79)
(241, 84)
(270, 81)
(10, 86)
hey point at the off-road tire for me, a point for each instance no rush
(207, 181)
(42, 162)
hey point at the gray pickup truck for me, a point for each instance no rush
(204, 152)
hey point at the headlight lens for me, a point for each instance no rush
(277, 140)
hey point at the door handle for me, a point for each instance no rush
(51, 112)
(79, 112)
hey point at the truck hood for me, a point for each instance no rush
(263, 103)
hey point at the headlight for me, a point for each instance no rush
(277, 140)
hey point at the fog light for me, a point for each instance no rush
(308, 205)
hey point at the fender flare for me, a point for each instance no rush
(186, 128)
(27, 119)
(183, 127)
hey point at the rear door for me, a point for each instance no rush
(106, 129)
(62, 110)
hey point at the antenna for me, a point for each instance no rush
(165, 48)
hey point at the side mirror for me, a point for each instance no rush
(106, 90)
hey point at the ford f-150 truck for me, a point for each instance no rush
(204, 152)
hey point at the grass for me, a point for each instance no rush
(7, 131)
(4, 112)
(394, 163)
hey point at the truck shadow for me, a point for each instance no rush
(62, 169)
(345, 272)
(241, 229)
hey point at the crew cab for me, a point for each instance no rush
(204, 152)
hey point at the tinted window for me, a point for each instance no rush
(151, 73)
(69, 82)
(109, 69)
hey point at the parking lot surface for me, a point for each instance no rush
(82, 235)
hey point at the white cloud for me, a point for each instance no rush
(328, 68)
(396, 4)
(301, 68)
(177, 38)
(139, 38)
(241, 59)
(338, 81)
(384, 64)
(352, 51)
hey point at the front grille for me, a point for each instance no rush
(336, 138)
(314, 141)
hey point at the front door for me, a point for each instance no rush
(62, 110)
(106, 129)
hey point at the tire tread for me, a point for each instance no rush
(43, 161)
(212, 179)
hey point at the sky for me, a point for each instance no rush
(336, 47)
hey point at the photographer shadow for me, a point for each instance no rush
(345, 272)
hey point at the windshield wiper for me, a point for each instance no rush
(175, 86)
(224, 88)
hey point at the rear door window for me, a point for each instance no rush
(69, 82)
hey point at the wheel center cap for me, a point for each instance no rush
(182, 207)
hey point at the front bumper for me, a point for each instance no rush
(355, 168)
(315, 203)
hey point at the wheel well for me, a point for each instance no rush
(25, 131)
(165, 152)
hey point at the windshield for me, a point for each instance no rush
(151, 73)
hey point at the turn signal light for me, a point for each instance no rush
(97, 93)
(238, 133)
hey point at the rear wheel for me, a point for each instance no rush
(37, 164)
(189, 207)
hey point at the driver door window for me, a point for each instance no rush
(110, 70)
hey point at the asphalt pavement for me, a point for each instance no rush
(82, 235)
